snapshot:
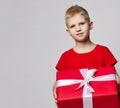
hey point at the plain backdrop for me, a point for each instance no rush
(32, 38)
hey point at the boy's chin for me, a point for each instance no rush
(82, 40)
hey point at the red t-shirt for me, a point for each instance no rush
(100, 56)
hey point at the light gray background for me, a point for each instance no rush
(32, 38)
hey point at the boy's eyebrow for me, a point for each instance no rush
(81, 22)
(71, 25)
(78, 23)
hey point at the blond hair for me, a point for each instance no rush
(75, 9)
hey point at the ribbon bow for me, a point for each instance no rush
(88, 76)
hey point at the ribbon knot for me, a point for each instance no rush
(88, 76)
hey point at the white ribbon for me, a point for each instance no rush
(87, 89)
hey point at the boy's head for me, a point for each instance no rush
(73, 10)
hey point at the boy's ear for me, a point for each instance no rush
(67, 30)
(91, 25)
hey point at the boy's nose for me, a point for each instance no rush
(78, 28)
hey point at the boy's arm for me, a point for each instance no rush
(54, 92)
(118, 79)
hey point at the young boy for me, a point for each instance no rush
(85, 53)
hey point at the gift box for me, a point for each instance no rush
(87, 88)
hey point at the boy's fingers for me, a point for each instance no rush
(56, 101)
(55, 98)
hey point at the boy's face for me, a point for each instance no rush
(79, 28)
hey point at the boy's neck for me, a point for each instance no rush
(83, 44)
(84, 47)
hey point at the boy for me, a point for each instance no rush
(85, 53)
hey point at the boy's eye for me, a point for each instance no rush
(82, 23)
(72, 26)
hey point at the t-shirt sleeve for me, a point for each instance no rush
(61, 64)
(110, 60)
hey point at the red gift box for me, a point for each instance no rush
(87, 88)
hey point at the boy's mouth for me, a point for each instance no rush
(79, 34)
